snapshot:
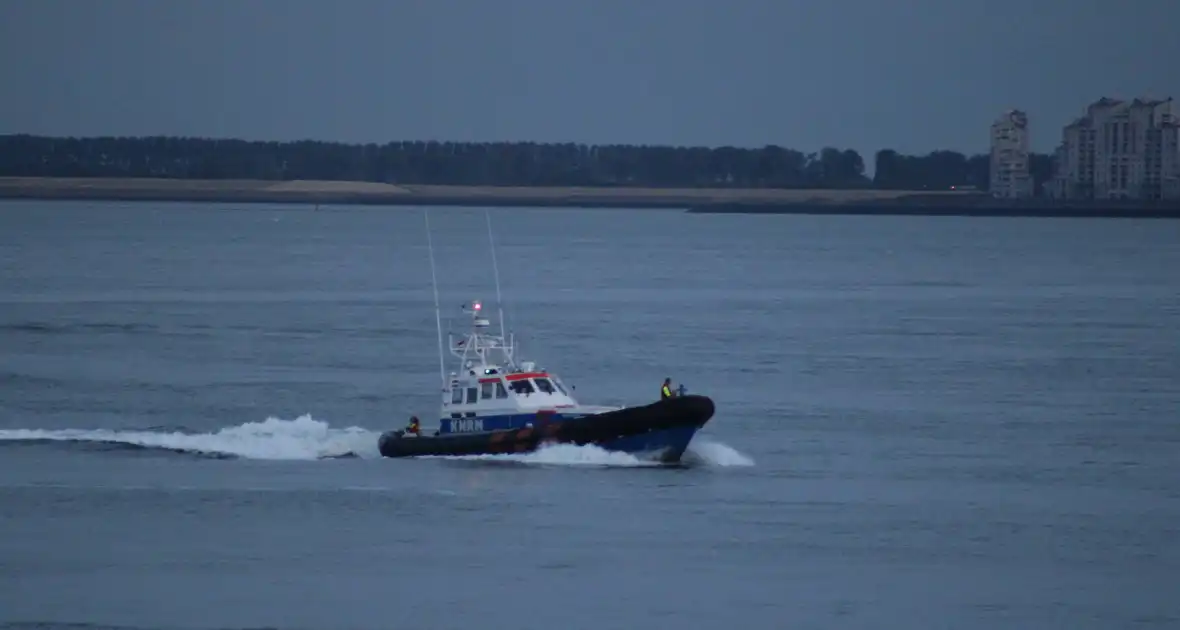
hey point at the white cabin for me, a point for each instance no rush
(490, 391)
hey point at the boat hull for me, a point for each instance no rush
(660, 431)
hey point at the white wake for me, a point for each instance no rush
(272, 439)
(717, 454)
(700, 451)
(562, 455)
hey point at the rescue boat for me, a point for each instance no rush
(493, 404)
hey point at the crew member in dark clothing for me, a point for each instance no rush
(666, 389)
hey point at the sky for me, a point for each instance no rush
(911, 75)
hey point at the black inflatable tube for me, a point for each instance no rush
(681, 411)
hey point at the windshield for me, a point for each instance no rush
(521, 387)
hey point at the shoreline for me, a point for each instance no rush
(371, 193)
(1026, 211)
(860, 202)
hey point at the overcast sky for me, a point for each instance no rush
(914, 75)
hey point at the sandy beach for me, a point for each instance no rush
(341, 192)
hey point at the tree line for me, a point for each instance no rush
(492, 163)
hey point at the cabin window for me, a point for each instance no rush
(472, 392)
(523, 388)
(490, 390)
(544, 385)
(456, 396)
(557, 384)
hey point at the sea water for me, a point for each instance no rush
(921, 422)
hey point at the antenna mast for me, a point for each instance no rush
(495, 270)
(442, 372)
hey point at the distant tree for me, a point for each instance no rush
(940, 170)
(490, 164)
(1041, 168)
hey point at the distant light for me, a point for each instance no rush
(477, 306)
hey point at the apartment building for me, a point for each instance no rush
(1121, 150)
(1009, 172)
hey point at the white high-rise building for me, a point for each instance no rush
(1121, 150)
(1010, 176)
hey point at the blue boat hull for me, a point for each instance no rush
(660, 431)
(667, 445)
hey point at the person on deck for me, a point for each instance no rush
(414, 428)
(666, 389)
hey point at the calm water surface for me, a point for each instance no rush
(922, 422)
